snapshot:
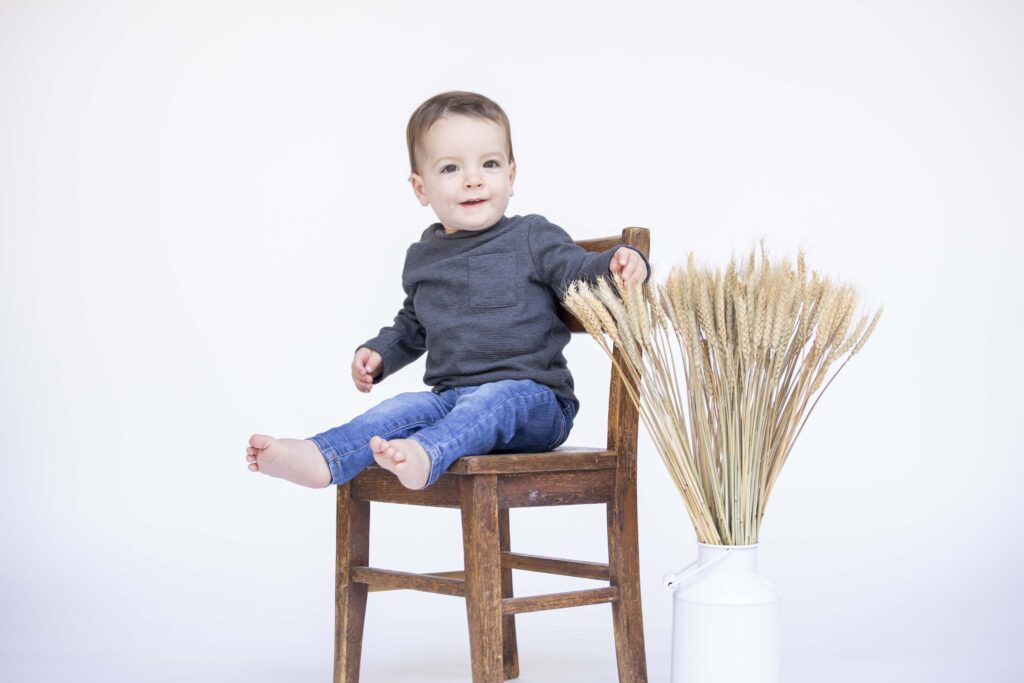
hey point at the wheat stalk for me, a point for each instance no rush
(754, 346)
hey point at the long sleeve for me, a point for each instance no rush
(401, 343)
(559, 260)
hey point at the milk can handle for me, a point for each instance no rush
(671, 580)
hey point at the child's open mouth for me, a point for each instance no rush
(473, 202)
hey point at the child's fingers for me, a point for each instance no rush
(361, 371)
(626, 273)
(625, 264)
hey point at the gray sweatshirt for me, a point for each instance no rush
(484, 304)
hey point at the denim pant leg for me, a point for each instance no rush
(347, 448)
(505, 416)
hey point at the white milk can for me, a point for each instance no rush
(725, 625)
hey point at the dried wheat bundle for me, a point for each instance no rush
(754, 344)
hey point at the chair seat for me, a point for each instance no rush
(562, 459)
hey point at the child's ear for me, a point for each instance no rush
(416, 180)
(511, 177)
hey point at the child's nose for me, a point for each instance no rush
(473, 180)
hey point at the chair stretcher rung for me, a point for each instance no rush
(445, 583)
(552, 565)
(537, 603)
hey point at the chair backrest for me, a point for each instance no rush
(623, 417)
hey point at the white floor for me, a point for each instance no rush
(430, 645)
(573, 666)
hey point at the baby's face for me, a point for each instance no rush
(465, 174)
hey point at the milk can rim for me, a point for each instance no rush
(734, 547)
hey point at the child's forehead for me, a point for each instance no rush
(462, 134)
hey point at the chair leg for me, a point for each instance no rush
(624, 570)
(510, 651)
(480, 537)
(353, 549)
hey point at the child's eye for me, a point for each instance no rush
(450, 168)
(495, 164)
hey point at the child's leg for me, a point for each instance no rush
(509, 415)
(346, 449)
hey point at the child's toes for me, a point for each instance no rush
(260, 441)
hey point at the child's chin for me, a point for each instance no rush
(465, 227)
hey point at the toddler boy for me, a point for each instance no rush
(482, 297)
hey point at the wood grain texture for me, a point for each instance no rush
(380, 486)
(481, 545)
(552, 565)
(454, 574)
(556, 488)
(623, 545)
(352, 548)
(537, 603)
(387, 579)
(553, 461)
(509, 646)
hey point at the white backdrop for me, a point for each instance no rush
(203, 210)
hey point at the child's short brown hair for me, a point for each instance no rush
(453, 102)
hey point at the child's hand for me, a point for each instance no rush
(366, 365)
(629, 265)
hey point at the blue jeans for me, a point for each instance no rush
(508, 416)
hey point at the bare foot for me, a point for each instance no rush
(297, 460)
(405, 458)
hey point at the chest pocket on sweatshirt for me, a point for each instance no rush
(492, 280)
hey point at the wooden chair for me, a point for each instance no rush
(485, 487)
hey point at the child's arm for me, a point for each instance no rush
(397, 345)
(559, 260)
